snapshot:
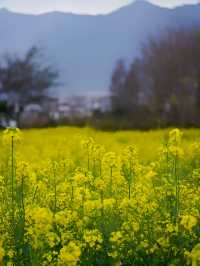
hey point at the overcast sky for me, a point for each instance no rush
(79, 6)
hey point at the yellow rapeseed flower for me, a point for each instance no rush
(188, 222)
(70, 254)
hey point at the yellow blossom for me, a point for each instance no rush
(70, 254)
(188, 221)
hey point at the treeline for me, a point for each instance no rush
(160, 88)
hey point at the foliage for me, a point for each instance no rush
(25, 79)
(162, 87)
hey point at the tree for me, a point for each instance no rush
(132, 89)
(25, 80)
(171, 69)
(124, 89)
(162, 86)
(118, 101)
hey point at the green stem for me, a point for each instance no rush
(177, 187)
(111, 180)
(12, 178)
(129, 191)
(88, 159)
(55, 191)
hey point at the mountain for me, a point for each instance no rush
(84, 48)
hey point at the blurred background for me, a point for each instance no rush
(107, 64)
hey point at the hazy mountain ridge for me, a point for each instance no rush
(85, 47)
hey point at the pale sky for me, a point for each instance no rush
(79, 6)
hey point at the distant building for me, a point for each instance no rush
(52, 111)
(83, 106)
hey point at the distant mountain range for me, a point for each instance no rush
(85, 48)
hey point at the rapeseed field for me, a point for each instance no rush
(72, 196)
